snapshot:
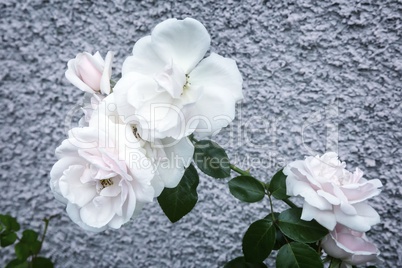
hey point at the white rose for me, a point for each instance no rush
(169, 157)
(106, 172)
(350, 246)
(91, 73)
(93, 179)
(169, 90)
(331, 193)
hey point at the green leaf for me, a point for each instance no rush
(35, 247)
(259, 241)
(269, 216)
(177, 202)
(16, 263)
(335, 263)
(29, 236)
(247, 189)
(291, 225)
(280, 238)
(40, 262)
(240, 262)
(7, 239)
(30, 239)
(277, 185)
(9, 223)
(22, 251)
(211, 159)
(298, 255)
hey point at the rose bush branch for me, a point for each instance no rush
(27, 247)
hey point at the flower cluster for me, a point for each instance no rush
(132, 141)
(336, 199)
(138, 137)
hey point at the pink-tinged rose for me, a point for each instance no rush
(101, 189)
(350, 246)
(331, 193)
(171, 90)
(91, 73)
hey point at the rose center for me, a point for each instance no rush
(106, 182)
(173, 80)
(135, 132)
(187, 84)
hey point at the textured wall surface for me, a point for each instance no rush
(317, 75)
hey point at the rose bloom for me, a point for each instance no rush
(171, 90)
(90, 73)
(169, 157)
(105, 173)
(350, 246)
(331, 193)
(95, 182)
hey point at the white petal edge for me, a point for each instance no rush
(184, 41)
(144, 59)
(220, 73)
(107, 73)
(324, 217)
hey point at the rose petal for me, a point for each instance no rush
(295, 187)
(57, 172)
(107, 74)
(362, 222)
(127, 207)
(324, 217)
(357, 193)
(216, 71)
(99, 212)
(89, 71)
(184, 41)
(178, 158)
(73, 212)
(72, 76)
(333, 200)
(73, 189)
(331, 247)
(144, 59)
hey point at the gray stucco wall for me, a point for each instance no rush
(315, 72)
